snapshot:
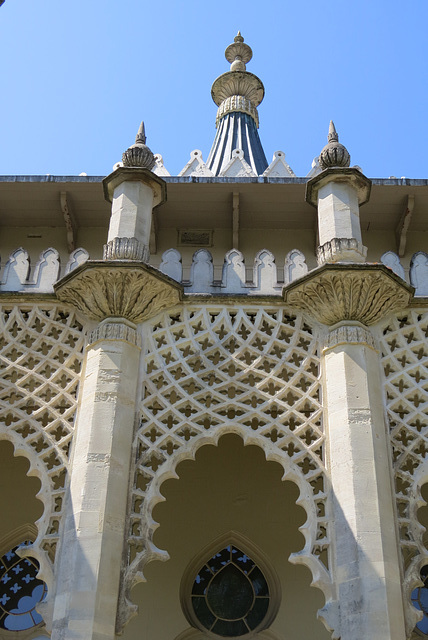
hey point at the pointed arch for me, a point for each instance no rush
(214, 370)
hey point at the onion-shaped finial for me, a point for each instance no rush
(334, 154)
(139, 154)
(238, 53)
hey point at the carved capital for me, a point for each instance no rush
(361, 292)
(349, 334)
(135, 174)
(126, 249)
(341, 249)
(115, 330)
(349, 175)
(131, 290)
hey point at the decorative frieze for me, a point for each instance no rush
(361, 292)
(108, 330)
(237, 103)
(130, 290)
(126, 249)
(349, 334)
(338, 249)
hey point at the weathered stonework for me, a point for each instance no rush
(109, 330)
(126, 289)
(339, 249)
(335, 292)
(126, 249)
(347, 175)
(349, 334)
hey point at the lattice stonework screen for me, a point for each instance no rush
(405, 362)
(40, 359)
(213, 370)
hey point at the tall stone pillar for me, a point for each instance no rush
(118, 292)
(366, 567)
(348, 297)
(89, 572)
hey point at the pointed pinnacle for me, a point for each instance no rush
(332, 133)
(238, 38)
(141, 135)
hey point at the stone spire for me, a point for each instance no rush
(139, 154)
(334, 154)
(237, 93)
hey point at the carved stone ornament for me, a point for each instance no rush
(338, 249)
(130, 290)
(139, 154)
(351, 175)
(334, 154)
(108, 330)
(135, 174)
(126, 249)
(337, 292)
(238, 83)
(349, 334)
(237, 103)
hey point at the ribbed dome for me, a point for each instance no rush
(139, 154)
(334, 154)
(237, 94)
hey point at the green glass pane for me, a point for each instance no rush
(202, 612)
(230, 594)
(230, 629)
(257, 613)
(259, 582)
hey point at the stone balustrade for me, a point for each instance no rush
(264, 277)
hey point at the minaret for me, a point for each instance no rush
(237, 93)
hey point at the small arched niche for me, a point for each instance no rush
(21, 589)
(18, 496)
(228, 491)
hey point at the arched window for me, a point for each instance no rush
(231, 594)
(20, 591)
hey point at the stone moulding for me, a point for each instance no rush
(135, 291)
(126, 249)
(360, 292)
(338, 249)
(115, 331)
(135, 174)
(349, 334)
(351, 175)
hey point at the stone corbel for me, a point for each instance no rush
(69, 219)
(363, 293)
(127, 289)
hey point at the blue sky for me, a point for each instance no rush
(77, 78)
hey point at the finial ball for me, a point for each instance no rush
(334, 154)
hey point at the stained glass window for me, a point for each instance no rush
(20, 591)
(420, 601)
(230, 595)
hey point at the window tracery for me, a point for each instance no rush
(212, 370)
(20, 591)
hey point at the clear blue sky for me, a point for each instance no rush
(78, 76)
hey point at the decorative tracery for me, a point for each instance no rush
(212, 370)
(40, 360)
(405, 364)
